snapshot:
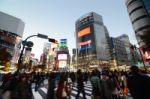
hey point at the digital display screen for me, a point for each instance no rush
(84, 31)
(62, 56)
(62, 64)
(85, 47)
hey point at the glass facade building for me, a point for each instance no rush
(91, 39)
(139, 13)
(147, 5)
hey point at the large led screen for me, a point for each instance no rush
(84, 31)
(62, 56)
(62, 64)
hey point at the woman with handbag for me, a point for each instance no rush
(62, 90)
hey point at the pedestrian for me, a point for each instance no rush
(62, 89)
(69, 84)
(73, 78)
(51, 86)
(138, 84)
(80, 84)
(86, 76)
(107, 86)
(15, 84)
(96, 85)
(37, 81)
(25, 91)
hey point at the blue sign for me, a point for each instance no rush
(85, 47)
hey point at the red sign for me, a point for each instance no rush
(85, 43)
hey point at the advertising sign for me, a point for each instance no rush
(62, 64)
(62, 56)
(84, 31)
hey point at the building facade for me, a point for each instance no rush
(119, 54)
(11, 31)
(48, 56)
(139, 13)
(91, 39)
(62, 56)
(125, 39)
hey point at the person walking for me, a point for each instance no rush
(138, 84)
(62, 89)
(24, 86)
(51, 87)
(96, 85)
(107, 86)
(80, 84)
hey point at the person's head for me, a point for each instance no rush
(94, 73)
(134, 69)
(79, 71)
(23, 78)
(52, 76)
(62, 80)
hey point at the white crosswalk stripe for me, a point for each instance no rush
(36, 95)
(42, 92)
(44, 89)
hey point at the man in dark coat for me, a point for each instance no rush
(51, 87)
(80, 84)
(138, 84)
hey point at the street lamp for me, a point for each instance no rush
(25, 42)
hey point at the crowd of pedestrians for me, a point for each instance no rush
(106, 84)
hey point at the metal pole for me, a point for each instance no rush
(20, 57)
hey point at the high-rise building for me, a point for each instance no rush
(125, 39)
(91, 40)
(119, 54)
(139, 13)
(11, 31)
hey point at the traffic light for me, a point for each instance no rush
(42, 36)
(53, 40)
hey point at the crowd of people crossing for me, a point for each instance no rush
(106, 84)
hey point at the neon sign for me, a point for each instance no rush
(85, 43)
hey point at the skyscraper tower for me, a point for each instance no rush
(91, 40)
(139, 13)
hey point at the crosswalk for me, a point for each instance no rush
(42, 91)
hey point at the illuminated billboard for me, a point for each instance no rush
(62, 64)
(63, 43)
(85, 47)
(62, 56)
(85, 43)
(84, 31)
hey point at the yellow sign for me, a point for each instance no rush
(7, 66)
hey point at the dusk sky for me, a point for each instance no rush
(56, 18)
